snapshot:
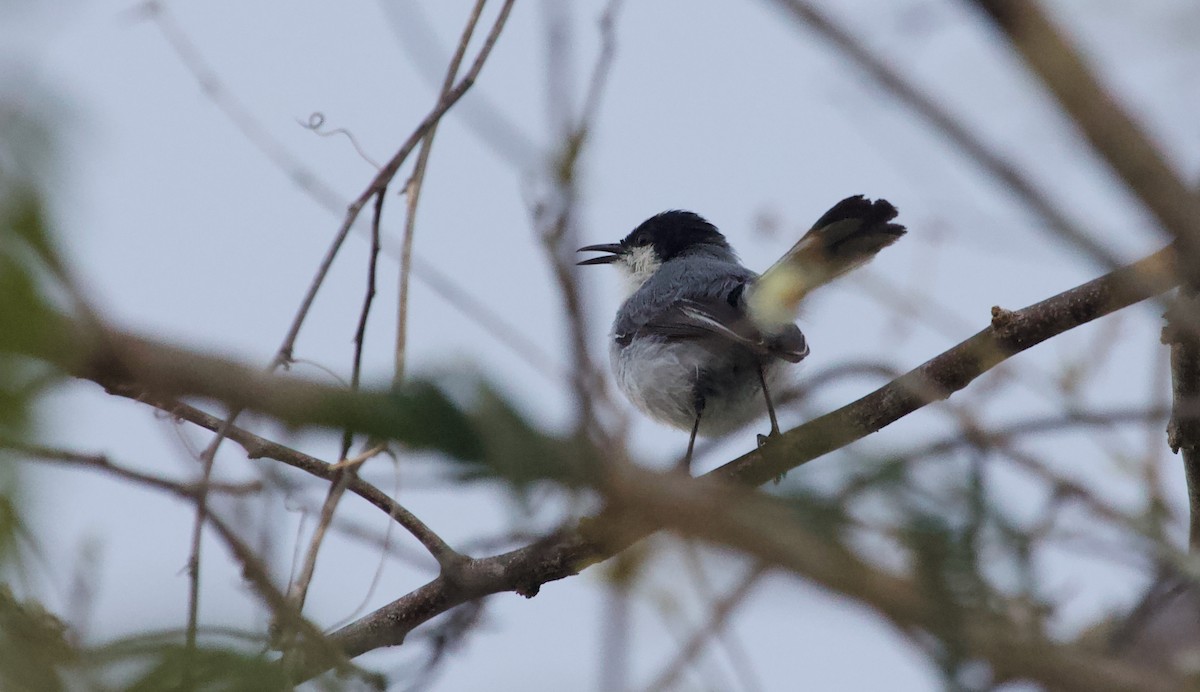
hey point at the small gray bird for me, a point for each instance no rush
(700, 340)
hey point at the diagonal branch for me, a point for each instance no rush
(1009, 334)
(103, 463)
(257, 447)
(412, 191)
(1114, 134)
(953, 129)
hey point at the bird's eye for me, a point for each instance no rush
(642, 240)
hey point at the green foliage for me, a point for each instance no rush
(33, 646)
(516, 450)
(23, 307)
(209, 669)
(429, 419)
(25, 258)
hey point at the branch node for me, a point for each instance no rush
(1002, 319)
(453, 566)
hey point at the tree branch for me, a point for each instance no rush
(1183, 432)
(257, 447)
(953, 130)
(1112, 131)
(1009, 334)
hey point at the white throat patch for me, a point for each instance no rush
(638, 265)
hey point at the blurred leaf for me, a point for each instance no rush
(24, 218)
(429, 419)
(210, 669)
(33, 645)
(23, 313)
(819, 512)
(10, 518)
(517, 451)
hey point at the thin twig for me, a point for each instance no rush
(207, 462)
(346, 469)
(603, 65)
(555, 217)
(284, 354)
(721, 611)
(332, 201)
(316, 123)
(257, 447)
(252, 568)
(383, 178)
(103, 463)
(299, 591)
(360, 332)
(1113, 132)
(955, 131)
(379, 182)
(412, 192)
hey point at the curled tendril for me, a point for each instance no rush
(316, 124)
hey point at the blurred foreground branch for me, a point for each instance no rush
(1112, 131)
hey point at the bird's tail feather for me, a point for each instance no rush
(845, 237)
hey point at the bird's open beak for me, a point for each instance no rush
(615, 248)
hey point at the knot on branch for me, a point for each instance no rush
(1003, 320)
(528, 590)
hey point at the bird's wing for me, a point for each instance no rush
(692, 318)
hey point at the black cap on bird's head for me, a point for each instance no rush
(669, 234)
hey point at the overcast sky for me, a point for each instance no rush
(183, 229)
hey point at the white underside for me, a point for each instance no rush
(659, 378)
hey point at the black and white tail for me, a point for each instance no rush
(845, 237)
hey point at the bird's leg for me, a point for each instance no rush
(685, 464)
(762, 377)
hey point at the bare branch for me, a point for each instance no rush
(413, 193)
(1009, 334)
(346, 468)
(1112, 131)
(103, 463)
(721, 612)
(1183, 432)
(555, 215)
(252, 568)
(956, 132)
(261, 448)
(329, 199)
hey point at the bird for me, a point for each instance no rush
(700, 341)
